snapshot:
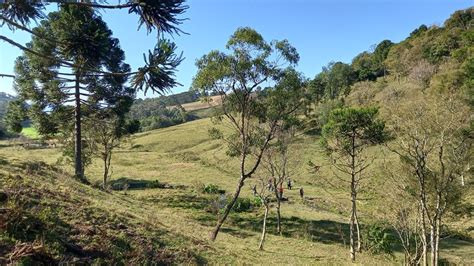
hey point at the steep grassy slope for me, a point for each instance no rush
(164, 215)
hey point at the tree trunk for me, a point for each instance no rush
(353, 199)
(433, 244)
(277, 195)
(79, 171)
(278, 216)
(424, 241)
(106, 169)
(264, 228)
(228, 209)
(359, 242)
(438, 225)
(351, 228)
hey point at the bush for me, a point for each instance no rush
(243, 205)
(212, 189)
(379, 239)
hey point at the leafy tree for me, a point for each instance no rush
(236, 75)
(340, 77)
(317, 87)
(379, 55)
(51, 87)
(277, 165)
(434, 143)
(364, 66)
(419, 30)
(461, 19)
(348, 132)
(64, 35)
(106, 132)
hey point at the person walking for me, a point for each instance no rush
(301, 193)
(280, 190)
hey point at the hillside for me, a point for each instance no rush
(165, 205)
(170, 183)
(165, 111)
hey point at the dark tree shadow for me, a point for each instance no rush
(137, 184)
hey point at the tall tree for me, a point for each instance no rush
(434, 142)
(89, 72)
(348, 132)
(236, 76)
(277, 163)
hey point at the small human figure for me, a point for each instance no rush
(254, 190)
(280, 191)
(289, 184)
(301, 192)
(270, 185)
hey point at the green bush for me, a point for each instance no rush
(212, 189)
(379, 239)
(243, 205)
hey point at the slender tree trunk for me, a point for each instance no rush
(353, 201)
(278, 216)
(228, 209)
(424, 240)
(264, 228)
(433, 244)
(107, 159)
(277, 195)
(359, 242)
(438, 225)
(351, 228)
(79, 171)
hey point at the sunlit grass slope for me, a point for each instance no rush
(174, 163)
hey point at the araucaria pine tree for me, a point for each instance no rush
(347, 133)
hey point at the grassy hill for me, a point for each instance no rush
(159, 209)
(165, 216)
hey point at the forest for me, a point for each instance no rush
(366, 162)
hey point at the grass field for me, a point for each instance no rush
(30, 132)
(183, 159)
(198, 105)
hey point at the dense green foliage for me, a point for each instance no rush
(4, 101)
(164, 111)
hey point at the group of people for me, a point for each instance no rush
(270, 187)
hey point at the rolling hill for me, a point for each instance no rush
(165, 215)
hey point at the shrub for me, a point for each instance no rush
(243, 205)
(378, 239)
(211, 189)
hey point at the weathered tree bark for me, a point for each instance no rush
(351, 228)
(424, 240)
(434, 262)
(228, 209)
(359, 242)
(279, 231)
(438, 223)
(107, 158)
(79, 171)
(278, 206)
(264, 228)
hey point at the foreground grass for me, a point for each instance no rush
(169, 208)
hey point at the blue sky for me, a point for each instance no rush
(322, 31)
